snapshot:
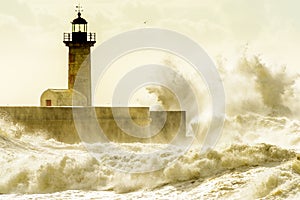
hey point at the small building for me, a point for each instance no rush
(61, 97)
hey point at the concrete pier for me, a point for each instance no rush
(58, 122)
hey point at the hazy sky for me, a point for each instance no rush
(34, 58)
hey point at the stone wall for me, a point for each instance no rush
(58, 122)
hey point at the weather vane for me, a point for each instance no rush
(79, 8)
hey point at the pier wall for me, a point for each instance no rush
(58, 122)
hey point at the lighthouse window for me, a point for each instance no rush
(72, 58)
(72, 79)
(79, 28)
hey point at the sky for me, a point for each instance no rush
(34, 57)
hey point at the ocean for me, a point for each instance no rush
(257, 156)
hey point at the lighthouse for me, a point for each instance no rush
(79, 42)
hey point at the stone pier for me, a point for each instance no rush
(58, 122)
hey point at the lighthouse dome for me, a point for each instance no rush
(79, 20)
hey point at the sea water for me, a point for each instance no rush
(257, 156)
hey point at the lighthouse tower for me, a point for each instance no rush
(79, 42)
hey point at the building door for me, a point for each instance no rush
(48, 102)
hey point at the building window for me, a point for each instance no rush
(48, 102)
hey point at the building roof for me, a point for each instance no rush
(79, 20)
(64, 92)
(59, 90)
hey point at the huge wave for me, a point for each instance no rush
(256, 157)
